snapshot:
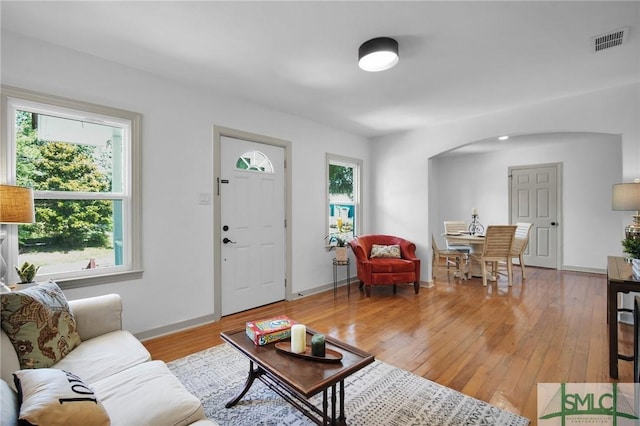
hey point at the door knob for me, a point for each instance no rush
(554, 223)
(227, 241)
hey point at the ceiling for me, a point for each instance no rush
(457, 59)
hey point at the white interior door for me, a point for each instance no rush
(253, 224)
(534, 199)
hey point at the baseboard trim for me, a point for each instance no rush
(208, 319)
(319, 289)
(583, 269)
(174, 328)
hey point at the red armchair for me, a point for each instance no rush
(383, 270)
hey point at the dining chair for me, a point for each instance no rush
(497, 248)
(455, 227)
(520, 243)
(446, 255)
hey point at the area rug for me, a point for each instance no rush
(379, 394)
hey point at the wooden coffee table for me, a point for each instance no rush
(296, 379)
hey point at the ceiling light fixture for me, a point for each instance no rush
(503, 138)
(378, 54)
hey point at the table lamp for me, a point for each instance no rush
(16, 207)
(626, 197)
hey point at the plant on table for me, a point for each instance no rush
(336, 240)
(27, 272)
(631, 246)
(340, 243)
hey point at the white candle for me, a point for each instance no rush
(298, 338)
(474, 211)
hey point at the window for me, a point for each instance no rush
(343, 195)
(81, 161)
(255, 161)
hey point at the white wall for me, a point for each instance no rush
(177, 151)
(404, 187)
(178, 165)
(590, 165)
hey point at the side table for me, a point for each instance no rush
(337, 263)
(620, 279)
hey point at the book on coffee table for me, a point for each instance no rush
(269, 330)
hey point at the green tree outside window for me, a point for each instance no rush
(61, 166)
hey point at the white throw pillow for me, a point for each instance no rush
(52, 397)
(392, 251)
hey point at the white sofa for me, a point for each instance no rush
(133, 389)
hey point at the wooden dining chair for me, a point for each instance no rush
(520, 243)
(497, 248)
(456, 227)
(438, 256)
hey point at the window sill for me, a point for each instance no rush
(69, 283)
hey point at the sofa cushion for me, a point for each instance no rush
(385, 265)
(49, 396)
(39, 324)
(8, 405)
(150, 384)
(382, 251)
(105, 355)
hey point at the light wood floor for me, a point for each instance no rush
(494, 343)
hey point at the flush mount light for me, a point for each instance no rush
(503, 138)
(378, 54)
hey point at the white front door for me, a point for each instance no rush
(534, 199)
(253, 224)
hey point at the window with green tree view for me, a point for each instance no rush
(79, 164)
(343, 194)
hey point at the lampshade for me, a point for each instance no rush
(378, 54)
(626, 197)
(16, 204)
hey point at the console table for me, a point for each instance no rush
(620, 279)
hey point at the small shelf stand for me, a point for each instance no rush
(337, 263)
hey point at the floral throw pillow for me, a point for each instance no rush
(39, 324)
(392, 251)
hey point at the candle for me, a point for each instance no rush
(474, 211)
(298, 338)
(318, 345)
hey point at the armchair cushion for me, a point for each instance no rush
(379, 250)
(389, 266)
(39, 324)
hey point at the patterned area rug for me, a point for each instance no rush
(379, 394)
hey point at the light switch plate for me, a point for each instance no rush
(204, 199)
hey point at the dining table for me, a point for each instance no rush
(476, 245)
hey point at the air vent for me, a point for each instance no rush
(612, 39)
